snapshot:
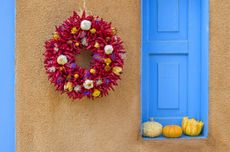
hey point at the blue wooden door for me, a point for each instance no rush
(172, 60)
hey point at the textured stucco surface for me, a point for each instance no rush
(50, 122)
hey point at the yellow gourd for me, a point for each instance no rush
(152, 128)
(192, 127)
(172, 131)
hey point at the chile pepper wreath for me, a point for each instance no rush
(84, 33)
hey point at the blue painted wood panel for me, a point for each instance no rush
(7, 110)
(167, 19)
(167, 86)
(174, 60)
(168, 83)
(168, 15)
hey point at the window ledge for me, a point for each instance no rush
(183, 137)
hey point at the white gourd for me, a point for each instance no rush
(152, 128)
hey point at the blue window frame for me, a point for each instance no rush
(7, 110)
(174, 61)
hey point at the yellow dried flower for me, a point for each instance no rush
(107, 68)
(96, 93)
(77, 44)
(93, 71)
(114, 30)
(96, 45)
(93, 30)
(68, 86)
(74, 30)
(55, 36)
(107, 61)
(76, 75)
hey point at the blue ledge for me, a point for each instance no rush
(183, 137)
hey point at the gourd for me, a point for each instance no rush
(152, 128)
(192, 127)
(172, 131)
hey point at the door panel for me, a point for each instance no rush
(167, 86)
(167, 19)
(171, 60)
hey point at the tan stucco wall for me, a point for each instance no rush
(50, 122)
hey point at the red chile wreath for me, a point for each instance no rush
(84, 33)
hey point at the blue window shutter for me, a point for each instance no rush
(174, 60)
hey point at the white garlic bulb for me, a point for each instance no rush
(62, 59)
(88, 84)
(108, 49)
(85, 25)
